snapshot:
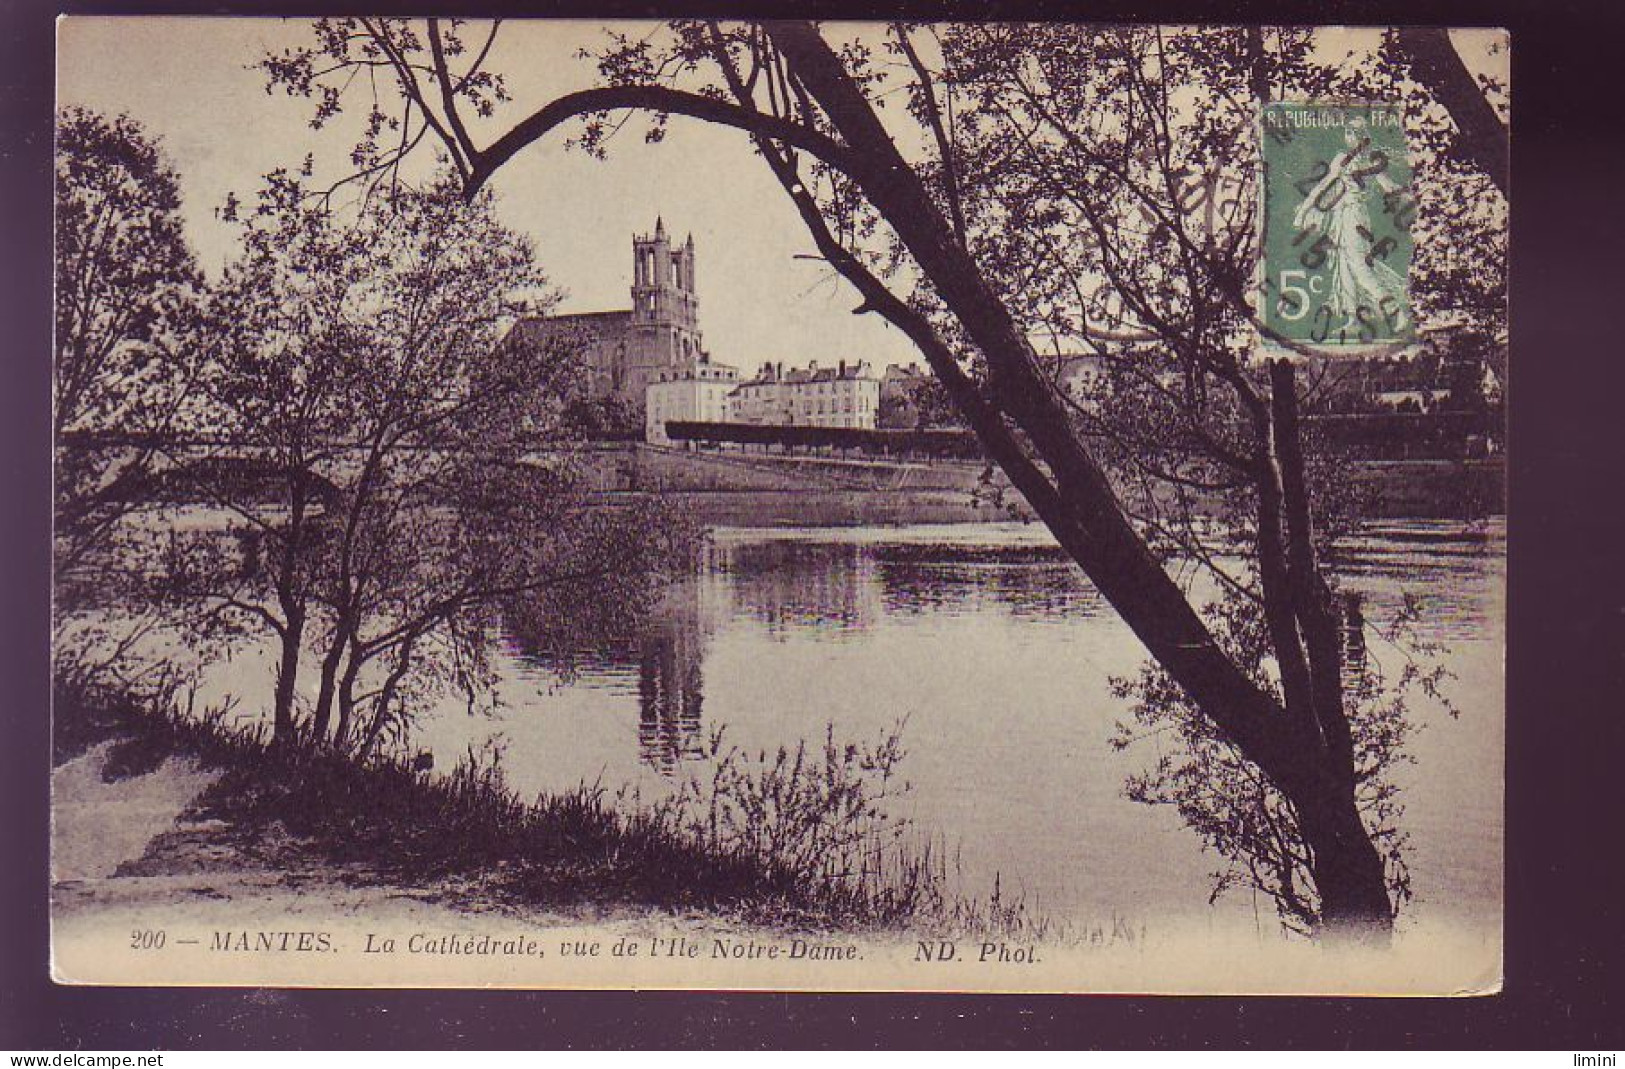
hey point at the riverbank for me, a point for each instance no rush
(770, 490)
(163, 819)
(139, 859)
(204, 902)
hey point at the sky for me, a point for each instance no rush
(187, 80)
(190, 82)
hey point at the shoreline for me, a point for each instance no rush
(253, 902)
(154, 807)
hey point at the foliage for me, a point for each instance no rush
(610, 417)
(821, 816)
(935, 407)
(1075, 190)
(358, 358)
(125, 283)
(1104, 176)
(1239, 814)
(466, 831)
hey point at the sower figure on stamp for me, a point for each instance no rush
(1335, 212)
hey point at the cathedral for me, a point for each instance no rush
(656, 340)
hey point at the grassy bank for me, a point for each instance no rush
(794, 839)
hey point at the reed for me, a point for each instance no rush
(803, 837)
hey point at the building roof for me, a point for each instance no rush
(797, 376)
(829, 374)
(540, 328)
(574, 319)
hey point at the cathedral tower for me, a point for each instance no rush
(664, 313)
(657, 340)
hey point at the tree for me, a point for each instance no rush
(355, 364)
(1075, 160)
(602, 417)
(125, 280)
(1434, 62)
(921, 243)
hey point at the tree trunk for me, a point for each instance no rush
(346, 701)
(1347, 868)
(290, 597)
(386, 696)
(1437, 65)
(287, 675)
(329, 681)
(1354, 903)
(1312, 604)
(1084, 514)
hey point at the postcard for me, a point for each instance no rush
(975, 507)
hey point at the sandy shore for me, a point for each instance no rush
(146, 891)
(131, 857)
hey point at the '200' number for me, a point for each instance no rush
(147, 939)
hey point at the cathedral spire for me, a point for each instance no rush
(660, 227)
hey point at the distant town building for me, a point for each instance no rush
(698, 393)
(898, 408)
(1451, 368)
(656, 340)
(763, 400)
(845, 395)
(651, 360)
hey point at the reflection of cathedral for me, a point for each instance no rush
(663, 649)
(671, 689)
(670, 697)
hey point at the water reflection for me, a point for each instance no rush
(845, 587)
(828, 589)
(780, 632)
(659, 652)
(671, 687)
(838, 587)
(1036, 591)
(1439, 569)
(792, 584)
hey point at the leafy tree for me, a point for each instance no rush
(919, 403)
(125, 281)
(355, 363)
(1058, 182)
(934, 405)
(1075, 160)
(602, 417)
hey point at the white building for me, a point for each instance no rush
(698, 393)
(846, 395)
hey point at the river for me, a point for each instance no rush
(999, 656)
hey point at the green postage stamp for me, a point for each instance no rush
(1338, 209)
